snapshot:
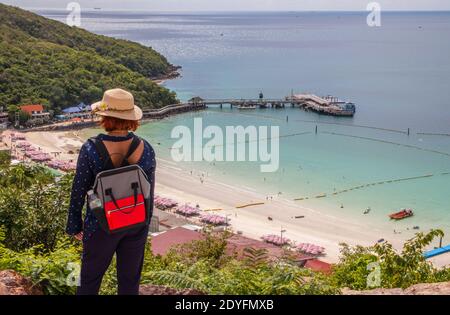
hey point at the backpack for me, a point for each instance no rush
(124, 192)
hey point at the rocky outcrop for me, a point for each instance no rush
(162, 290)
(12, 283)
(442, 288)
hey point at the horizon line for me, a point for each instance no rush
(231, 11)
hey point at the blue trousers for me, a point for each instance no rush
(98, 252)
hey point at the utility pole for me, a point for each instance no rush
(17, 122)
(281, 232)
(226, 221)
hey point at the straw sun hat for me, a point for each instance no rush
(117, 103)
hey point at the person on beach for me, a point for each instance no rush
(119, 117)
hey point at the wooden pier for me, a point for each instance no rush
(309, 102)
(242, 103)
(173, 109)
(323, 105)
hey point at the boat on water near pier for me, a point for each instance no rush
(245, 106)
(328, 105)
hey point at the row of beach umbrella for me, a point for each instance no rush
(17, 136)
(61, 165)
(187, 210)
(214, 219)
(165, 203)
(305, 248)
(275, 239)
(37, 155)
(311, 249)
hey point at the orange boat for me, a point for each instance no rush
(405, 213)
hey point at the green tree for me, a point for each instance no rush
(12, 109)
(29, 209)
(5, 158)
(43, 61)
(23, 117)
(397, 270)
(55, 271)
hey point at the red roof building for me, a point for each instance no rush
(318, 265)
(32, 109)
(162, 242)
(37, 113)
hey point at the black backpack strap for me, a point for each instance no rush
(133, 147)
(105, 158)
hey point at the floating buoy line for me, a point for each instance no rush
(434, 134)
(350, 125)
(390, 181)
(386, 141)
(256, 140)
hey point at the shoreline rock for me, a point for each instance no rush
(163, 290)
(441, 288)
(12, 283)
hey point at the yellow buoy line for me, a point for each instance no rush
(390, 181)
(249, 205)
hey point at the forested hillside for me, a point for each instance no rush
(48, 62)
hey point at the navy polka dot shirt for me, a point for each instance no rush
(88, 166)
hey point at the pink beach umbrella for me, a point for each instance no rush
(213, 219)
(276, 240)
(164, 203)
(187, 210)
(310, 248)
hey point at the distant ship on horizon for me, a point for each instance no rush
(97, 8)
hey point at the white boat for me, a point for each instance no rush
(246, 107)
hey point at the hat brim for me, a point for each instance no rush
(133, 114)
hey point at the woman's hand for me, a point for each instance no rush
(79, 236)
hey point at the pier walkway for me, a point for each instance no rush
(323, 105)
(172, 109)
(327, 105)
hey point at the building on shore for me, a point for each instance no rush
(81, 111)
(162, 242)
(38, 115)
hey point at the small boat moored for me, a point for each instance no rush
(247, 106)
(405, 213)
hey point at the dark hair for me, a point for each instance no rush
(112, 123)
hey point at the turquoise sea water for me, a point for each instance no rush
(398, 75)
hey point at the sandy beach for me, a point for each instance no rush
(317, 226)
(63, 143)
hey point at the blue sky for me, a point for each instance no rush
(237, 5)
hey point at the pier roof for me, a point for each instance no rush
(313, 98)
